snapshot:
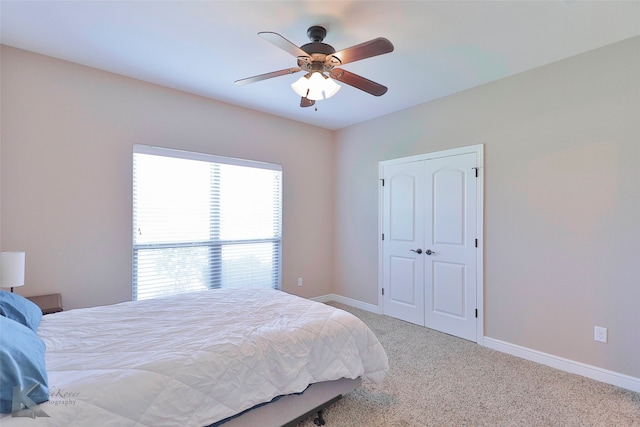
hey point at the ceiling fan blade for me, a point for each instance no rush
(358, 82)
(364, 50)
(283, 43)
(306, 102)
(267, 76)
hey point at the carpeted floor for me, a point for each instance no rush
(439, 380)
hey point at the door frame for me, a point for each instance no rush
(478, 149)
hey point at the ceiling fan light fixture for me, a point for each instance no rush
(315, 86)
(301, 86)
(315, 95)
(330, 87)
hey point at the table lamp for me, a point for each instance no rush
(11, 269)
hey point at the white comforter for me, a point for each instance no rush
(195, 359)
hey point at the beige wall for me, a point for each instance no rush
(562, 201)
(67, 137)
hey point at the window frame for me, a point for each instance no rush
(219, 243)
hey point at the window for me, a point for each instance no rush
(203, 221)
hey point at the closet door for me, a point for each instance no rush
(450, 252)
(429, 253)
(403, 230)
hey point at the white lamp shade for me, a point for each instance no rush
(12, 269)
(315, 86)
(315, 94)
(330, 87)
(301, 86)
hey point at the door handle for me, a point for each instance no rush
(419, 251)
(429, 252)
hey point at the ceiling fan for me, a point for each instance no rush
(317, 58)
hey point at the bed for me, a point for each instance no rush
(226, 357)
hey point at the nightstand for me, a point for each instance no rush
(51, 303)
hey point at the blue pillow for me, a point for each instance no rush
(20, 309)
(22, 359)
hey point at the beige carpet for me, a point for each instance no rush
(439, 380)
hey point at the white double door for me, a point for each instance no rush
(429, 246)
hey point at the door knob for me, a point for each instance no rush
(419, 251)
(429, 252)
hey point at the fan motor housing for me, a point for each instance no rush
(316, 34)
(317, 51)
(318, 47)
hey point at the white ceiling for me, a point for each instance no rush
(202, 47)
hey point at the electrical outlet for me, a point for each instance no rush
(299, 281)
(600, 334)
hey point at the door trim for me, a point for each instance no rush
(478, 149)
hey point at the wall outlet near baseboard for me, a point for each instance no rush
(600, 334)
(299, 281)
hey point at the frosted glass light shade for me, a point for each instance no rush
(315, 95)
(330, 87)
(315, 86)
(301, 86)
(12, 269)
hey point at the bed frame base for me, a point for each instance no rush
(291, 409)
(319, 420)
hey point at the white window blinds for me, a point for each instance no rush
(203, 221)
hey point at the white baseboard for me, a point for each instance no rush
(610, 377)
(567, 365)
(350, 302)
